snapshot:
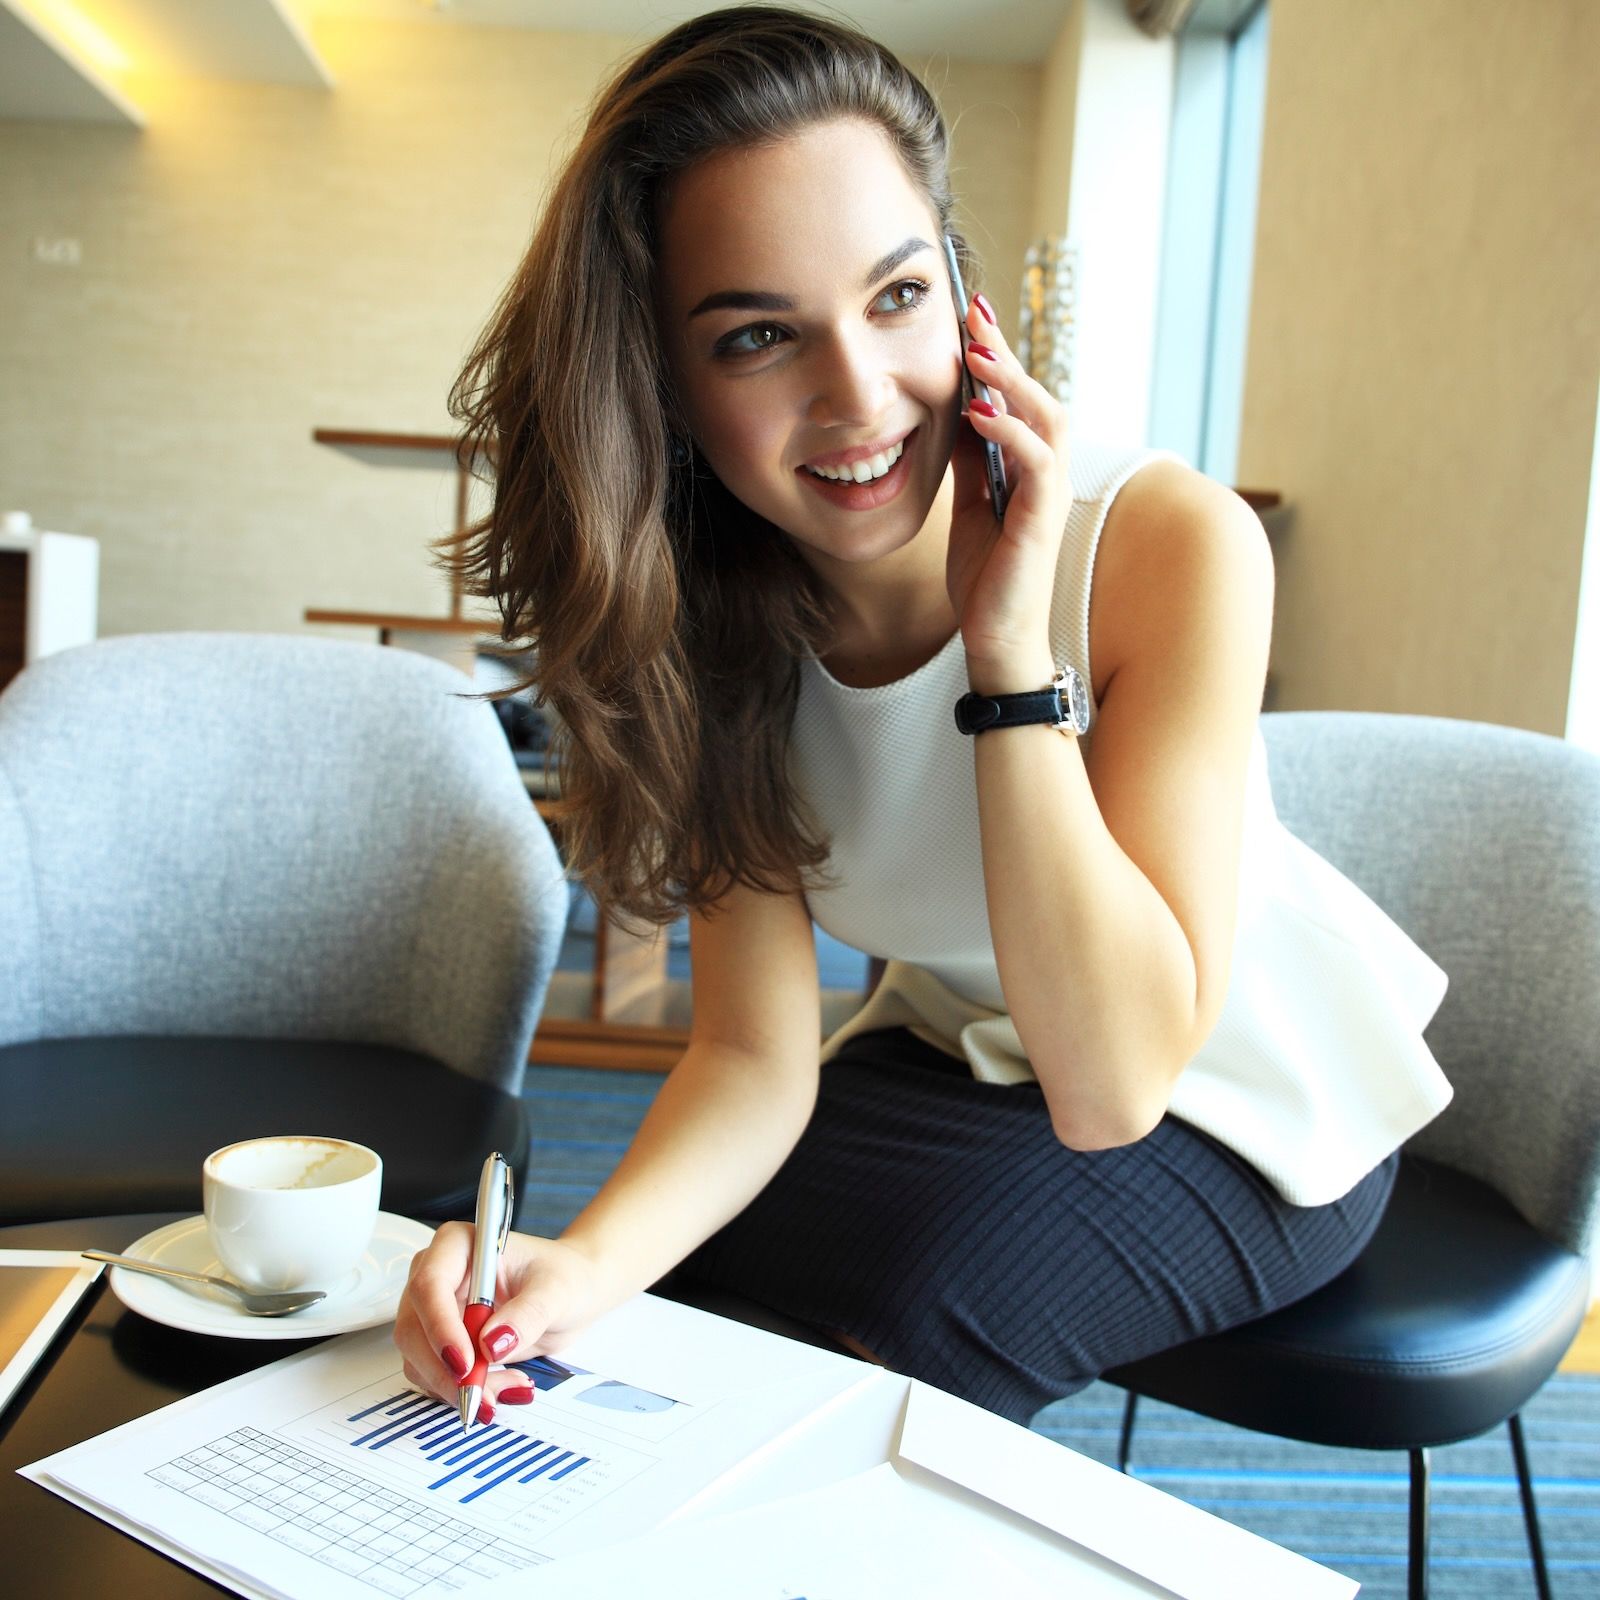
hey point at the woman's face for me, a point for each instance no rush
(809, 327)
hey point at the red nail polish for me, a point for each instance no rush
(515, 1397)
(982, 350)
(983, 408)
(987, 309)
(485, 1411)
(458, 1364)
(500, 1341)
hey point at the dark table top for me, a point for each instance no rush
(108, 1366)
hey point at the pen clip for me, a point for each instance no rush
(507, 1204)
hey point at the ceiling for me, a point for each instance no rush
(979, 30)
(67, 60)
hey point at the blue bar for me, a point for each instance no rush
(396, 1428)
(510, 1472)
(523, 1450)
(417, 1417)
(528, 1477)
(437, 1430)
(513, 1443)
(582, 1461)
(534, 1474)
(475, 1446)
(454, 1439)
(380, 1405)
(435, 1451)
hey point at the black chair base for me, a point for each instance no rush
(1419, 1504)
(1445, 1327)
(93, 1127)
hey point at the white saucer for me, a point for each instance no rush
(368, 1295)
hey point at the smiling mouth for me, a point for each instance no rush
(863, 471)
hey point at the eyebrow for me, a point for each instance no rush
(764, 300)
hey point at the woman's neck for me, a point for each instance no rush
(892, 616)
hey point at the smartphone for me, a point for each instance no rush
(972, 388)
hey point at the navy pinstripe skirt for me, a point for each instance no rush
(940, 1223)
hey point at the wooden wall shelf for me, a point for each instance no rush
(370, 438)
(383, 449)
(1260, 500)
(392, 622)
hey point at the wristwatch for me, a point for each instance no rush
(1065, 705)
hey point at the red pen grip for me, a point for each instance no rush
(474, 1317)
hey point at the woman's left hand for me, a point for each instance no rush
(1001, 575)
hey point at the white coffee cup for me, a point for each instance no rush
(291, 1212)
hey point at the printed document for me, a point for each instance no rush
(665, 1447)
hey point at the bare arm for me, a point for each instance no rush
(1112, 870)
(727, 1116)
(733, 1107)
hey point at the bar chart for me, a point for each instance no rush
(525, 1480)
(475, 1462)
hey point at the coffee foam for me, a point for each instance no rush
(290, 1163)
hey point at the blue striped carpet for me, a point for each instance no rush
(1346, 1508)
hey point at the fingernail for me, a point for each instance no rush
(515, 1397)
(458, 1364)
(987, 309)
(982, 350)
(983, 408)
(500, 1342)
(485, 1411)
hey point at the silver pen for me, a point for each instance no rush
(491, 1225)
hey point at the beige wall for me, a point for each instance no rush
(1424, 349)
(1058, 119)
(993, 112)
(261, 261)
(1424, 343)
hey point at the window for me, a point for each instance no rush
(1208, 234)
(1583, 703)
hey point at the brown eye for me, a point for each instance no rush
(904, 296)
(751, 340)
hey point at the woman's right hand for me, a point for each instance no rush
(546, 1292)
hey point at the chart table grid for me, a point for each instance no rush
(395, 1545)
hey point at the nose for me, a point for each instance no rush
(852, 385)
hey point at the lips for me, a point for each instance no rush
(859, 464)
(849, 495)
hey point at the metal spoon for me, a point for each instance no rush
(257, 1305)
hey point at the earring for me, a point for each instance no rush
(679, 451)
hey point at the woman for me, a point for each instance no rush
(1127, 1080)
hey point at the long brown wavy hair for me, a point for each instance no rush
(663, 620)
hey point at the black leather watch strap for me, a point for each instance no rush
(978, 713)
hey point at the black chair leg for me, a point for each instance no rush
(1125, 1442)
(1417, 1576)
(1530, 1512)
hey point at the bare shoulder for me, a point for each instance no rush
(1183, 564)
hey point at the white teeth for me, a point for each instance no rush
(863, 471)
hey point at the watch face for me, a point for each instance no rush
(1074, 701)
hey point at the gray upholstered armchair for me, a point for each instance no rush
(254, 884)
(1483, 843)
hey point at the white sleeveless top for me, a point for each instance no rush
(1316, 1069)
